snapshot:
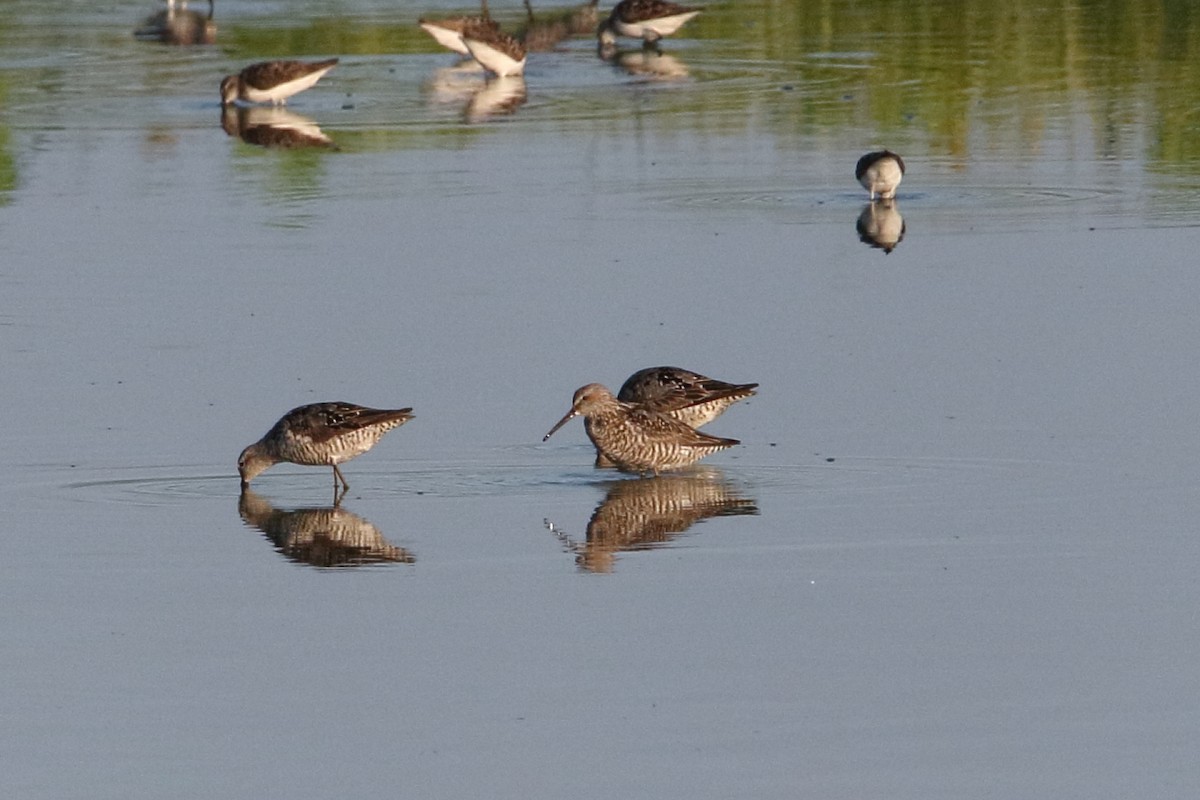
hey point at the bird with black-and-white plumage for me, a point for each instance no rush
(880, 172)
(273, 81)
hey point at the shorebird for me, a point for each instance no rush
(541, 35)
(637, 439)
(178, 26)
(880, 173)
(689, 397)
(449, 32)
(499, 53)
(648, 20)
(273, 81)
(321, 434)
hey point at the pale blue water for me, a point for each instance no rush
(972, 460)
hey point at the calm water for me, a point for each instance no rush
(953, 558)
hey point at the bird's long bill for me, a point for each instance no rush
(569, 416)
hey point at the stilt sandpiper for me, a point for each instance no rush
(692, 398)
(449, 32)
(321, 434)
(499, 53)
(273, 81)
(544, 34)
(648, 20)
(880, 173)
(637, 439)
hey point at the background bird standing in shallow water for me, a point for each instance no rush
(880, 173)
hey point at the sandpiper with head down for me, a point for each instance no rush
(637, 439)
(880, 173)
(648, 20)
(498, 52)
(321, 434)
(449, 31)
(273, 81)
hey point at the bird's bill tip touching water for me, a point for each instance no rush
(566, 418)
(229, 90)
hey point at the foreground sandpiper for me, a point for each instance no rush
(498, 52)
(692, 398)
(449, 32)
(648, 20)
(321, 434)
(635, 438)
(880, 173)
(273, 81)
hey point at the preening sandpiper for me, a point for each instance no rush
(689, 397)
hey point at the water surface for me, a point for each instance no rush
(952, 557)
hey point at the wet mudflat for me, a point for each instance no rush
(951, 558)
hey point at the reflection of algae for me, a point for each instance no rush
(451, 136)
(340, 35)
(8, 167)
(961, 75)
(957, 78)
(8, 162)
(290, 181)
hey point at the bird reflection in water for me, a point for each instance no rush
(881, 225)
(646, 513)
(646, 63)
(273, 126)
(463, 82)
(178, 25)
(497, 97)
(481, 99)
(327, 536)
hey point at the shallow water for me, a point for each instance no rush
(951, 558)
